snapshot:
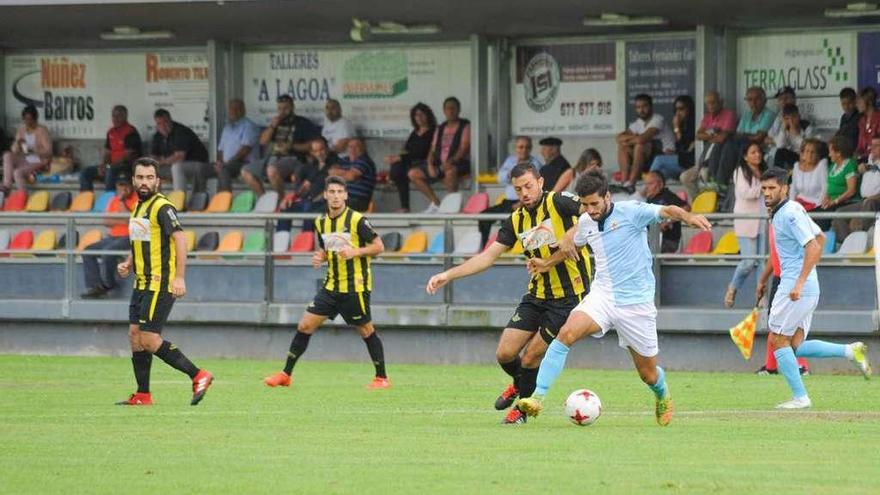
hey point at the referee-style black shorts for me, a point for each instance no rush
(542, 315)
(150, 309)
(353, 306)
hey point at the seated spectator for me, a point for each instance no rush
(843, 178)
(869, 122)
(449, 157)
(809, 180)
(849, 120)
(309, 198)
(522, 153)
(101, 281)
(180, 153)
(288, 137)
(869, 191)
(122, 147)
(589, 160)
(716, 130)
(752, 128)
(337, 130)
(31, 151)
(238, 150)
(656, 193)
(671, 165)
(788, 139)
(784, 96)
(646, 137)
(415, 151)
(359, 173)
(557, 172)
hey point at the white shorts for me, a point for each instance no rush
(786, 316)
(636, 324)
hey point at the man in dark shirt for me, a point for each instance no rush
(287, 140)
(310, 196)
(359, 172)
(656, 193)
(180, 153)
(849, 121)
(121, 147)
(557, 172)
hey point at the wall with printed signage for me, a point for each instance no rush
(664, 69)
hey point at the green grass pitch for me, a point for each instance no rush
(435, 431)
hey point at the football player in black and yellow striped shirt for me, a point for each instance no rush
(538, 224)
(347, 242)
(158, 258)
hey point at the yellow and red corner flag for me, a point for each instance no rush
(743, 334)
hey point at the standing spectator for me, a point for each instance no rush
(869, 122)
(288, 137)
(310, 196)
(788, 139)
(716, 130)
(449, 158)
(522, 153)
(180, 153)
(99, 281)
(849, 120)
(656, 193)
(359, 173)
(31, 151)
(557, 172)
(337, 129)
(671, 165)
(122, 147)
(869, 191)
(238, 149)
(646, 137)
(809, 180)
(415, 151)
(747, 188)
(843, 178)
(784, 96)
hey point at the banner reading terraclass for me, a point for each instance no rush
(869, 60)
(817, 66)
(565, 89)
(663, 69)
(376, 87)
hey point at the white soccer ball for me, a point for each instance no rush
(583, 407)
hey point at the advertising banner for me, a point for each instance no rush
(663, 69)
(869, 60)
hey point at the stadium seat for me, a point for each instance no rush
(178, 199)
(830, 242)
(22, 240)
(208, 242)
(451, 203)
(38, 202)
(438, 244)
(243, 202)
(476, 204)
(220, 203)
(2, 198)
(89, 238)
(62, 241)
(705, 202)
(303, 242)
(4, 239)
(871, 237)
(469, 243)
(231, 242)
(82, 202)
(854, 244)
(392, 241)
(683, 195)
(417, 242)
(16, 201)
(254, 242)
(280, 241)
(197, 202)
(61, 201)
(500, 199)
(267, 202)
(45, 240)
(190, 240)
(700, 243)
(102, 201)
(727, 244)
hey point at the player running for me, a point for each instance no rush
(542, 219)
(158, 253)
(622, 295)
(348, 244)
(799, 244)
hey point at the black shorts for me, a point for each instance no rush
(353, 306)
(542, 315)
(150, 309)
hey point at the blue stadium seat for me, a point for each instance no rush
(438, 244)
(830, 241)
(103, 200)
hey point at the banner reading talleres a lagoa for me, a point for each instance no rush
(565, 89)
(376, 87)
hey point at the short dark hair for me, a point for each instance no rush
(644, 97)
(285, 98)
(590, 183)
(30, 110)
(790, 109)
(869, 94)
(146, 162)
(334, 179)
(452, 99)
(523, 168)
(843, 145)
(162, 114)
(847, 93)
(780, 175)
(659, 176)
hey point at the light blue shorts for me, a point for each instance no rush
(786, 316)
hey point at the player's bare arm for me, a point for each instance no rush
(672, 212)
(178, 285)
(319, 257)
(477, 264)
(812, 255)
(567, 249)
(124, 268)
(374, 248)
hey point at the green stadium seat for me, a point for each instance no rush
(254, 242)
(243, 202)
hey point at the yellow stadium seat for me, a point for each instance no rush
(231, 242)
(45, 241)
(705, 202)
(417, 242)
(38, 201)
(220, 203)
(82, 202)
(727, 244)
(487, 178)
(500, 199)
(89, 238)
(190, 240)
(178, 199)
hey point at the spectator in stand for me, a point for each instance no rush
(238, 150)
(671, 165)
(646, 137)
(288, 137)
(869, 122)
(752, 128)
(359, 173)
(337, 129)
(656, 193)
(31, 151)
(522, 153)
(747, 188)
(309, 196)
(809, 180)
(784, 96)
(788, 139)
(415, 151)
(122, 147)
(869, 191)
(849, 120)
(557, 172)
(716, 130)
(589, 160)
(180, 153)
(449, 158)
(99, 281)
(843, 178)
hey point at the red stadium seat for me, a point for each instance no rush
(16, 201)
(700, 243)
(476, 203)
(302, 243)
(23, 240)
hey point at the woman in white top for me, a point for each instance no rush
(809, 180)
(747, 185)
(31, 151)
